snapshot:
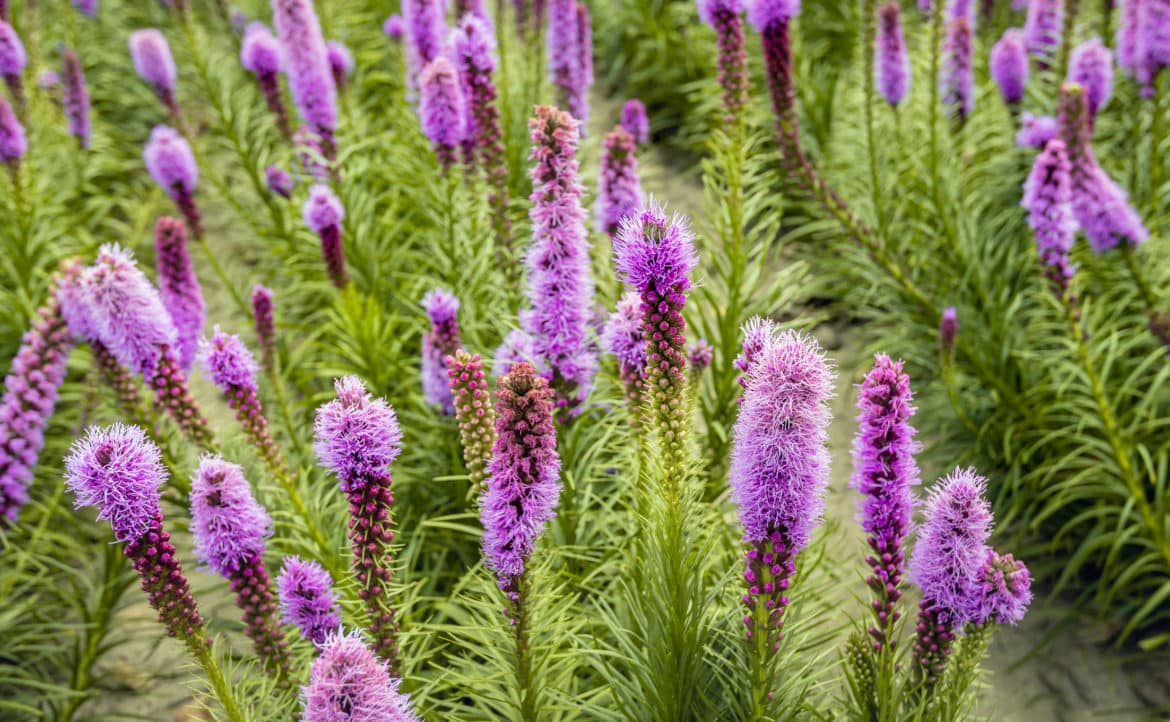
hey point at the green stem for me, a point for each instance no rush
(523, 653)
(219, 682)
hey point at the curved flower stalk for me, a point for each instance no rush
(624, 336)
(260, 55)
(560, 285)
(357, 438)
(341, 63)
(1036, 130)
(171, 163)
(892, 74)
(564, 55)
(779, 474)
(1091, 66)
(475, 413)
(279, 181)
(1009, 67)
(441, 107)
(152, 59)
(75, 96)
(119, 470)
(956, 82)
(347, 682)
(440, 342)
(181, 294)
(308, 600)
(265, 326)
(619, 191)
(307, 65)
(13, 142)
(1042, 30)
(13, 60)
(30, 395)
(726, 17)
(323, 214)
(635, 120)
(1048, 199)
(230, 529)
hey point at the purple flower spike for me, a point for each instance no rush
(441, 109)
(13, 142)
(655, 255)
(1036, 130)
(171, 163)
(227, 523)
(260, 54)
(341, 63)
(181, 294)
(1042, 29)
(1048, 199)
(948, 331)
(49, 80)
(518, 346)
(524, 482)
(1091, 65)
(726, 18)
(425, 29)
(323, 214)
(441, 341)
(956, 82)
(763, 13)
(579, 100)
(227, 362)
(1128, 34)
(119, 470)
(624, 337)
(394, 27)
(279, 181)
(347, 683)
(307, 599)
(892, 64)
(564, 56)
(1009, 66)
(884, 473)
(700, 354)
(1153, 43)
(635, 121)
(757, 334)
(153, 62)
(1006, 592)
(75, 96)
(13, 60)
(307, 64)
(86, 7)
(265, 325)
(619, 191)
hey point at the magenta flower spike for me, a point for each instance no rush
(1048, 199)
(308, 600)
(726, 18)
(1128, 34)
(394, 27)
(956, 82)
(1036, 130)
(341, 63)
(1042, 29)
(425, 29)
(1009, 66)
(624, 336)
(1153, 43)
(1006, 590)
(347, 683)
(323, 214)
(474, 412)
(635, 120)
(441, 341)
(357, 438)
(279, 181)
(523, 484)
(772, 19)
(230, 529)
(119, 470)
(307, 65)
(560, 284)
(885, 473)
(152, 59)
(1091, 66)
(13, 142)
(564, 55)
(180, 290)
(946, 564)
(583, 81)
(779, 472)
(171, 163)
(75, 96)
(892, 65)
(13, 60)
(260, 54)
(265, 326)
(30, 395)
(619, 191)
(441, 110)
(948, 332)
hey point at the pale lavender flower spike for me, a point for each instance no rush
(892, 67)
(170, 161)
(1009, 65)
(310, 78)
(347, 683)
(227, 362)
(307, 599)
(152, 59)
(358, 436)
(227, 523)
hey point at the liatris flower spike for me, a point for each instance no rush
(475, 413)
(619, 190)
(441, 341)
(425, 29)
(75, 96)
(884, 473)
(230, 529)
(1153, 44)
(13, 142)
(1048, 199)
(181, 294)
(700, 354)
(340, 63)
(394, 27)
(310, 78)
(635, 120)
(1006, 590)
(892, 65)
(1036, 130)
(726, 17)
(323, 214)
(1091, 66)
(265, 326)
(153, 62)
(1042, 29)
(357, 438)
(948, 331)
(583, 80)
(348, 683)
(441, 109)
(279, 181)
(13, 60)
(1009, 66)
(260, 55)
(307, 599)
(624, 336)
(757, 334)
(171, 163)
(564, 57)
(956, 82)
(86, 7)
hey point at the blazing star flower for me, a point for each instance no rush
(619, 191)
(171, 163)
(700, 354)
(425, 29)
(307, 64)
(1048, 199)
(152, 59)
(948, 331)
(13, 142)
(13, 57)
(227, 362)
(260, 55)
(75, 96)
(1036, 130)
(624, 337)
(49, 80)
(279, 181)
(347, 683)
(340, 62)
(757, 333)
(227, 523)
(892, 63)
(772, 19)
(265, 325)
(1128, 34)
(180, 290)
(564, 56)
(583, 78)
(307, 599)
(634, 120)
(1043, 27)
(1009, 65)
(323, 214)
(518, 346)
(441, 341)
(1006, 590)
(1091, 65)
(309, 149)
(956, 82)
(394, 26)
(726, 18)
(1153, 43)
(475, 413)
(86, 7)
(441, 109)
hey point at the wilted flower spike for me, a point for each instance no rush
(441, 109)
(307, 599)
(323, 214)
(619, 191)
(310, 78)
(1091, 66)
(635, 121)
(892, 65)
(1048, 199)
(152, 59)
(441, 341)
(180, 290)
(347, 683)
(75, 96)
(1009, 66)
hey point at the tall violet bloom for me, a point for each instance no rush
(30, 395)
(347, 682)
(624, 336)
(726, 18)
(779, 473)
(260, 55)
(441, 341)
(307, 599)
(1006, 590)
(441, 109)
(323, 214)
(635, 121)
(1153, 43)
(475, 413)
(279, 181)
(564, 55)
(13, 60)
(579, 100)
(948, 333)
(956, 81)
(357, 438)
(230, 529)
(1036, 130)
(1042, 29)
(265, 324)
(946, 563)
(885, 473)
(119, 470)
(1009, 66)
(86, 7)
(181, 294)
(1048, 199)
(307, 64)
(425, 29)
(341, 63)
(892, 65)
(394, 26)
(1129, 34)
(171, 163)
(655, 256)
(772, 19)
(619, 191)
(13, 142)
(152, 59)
(1091, 66)
(560, 286)
(75, 96)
